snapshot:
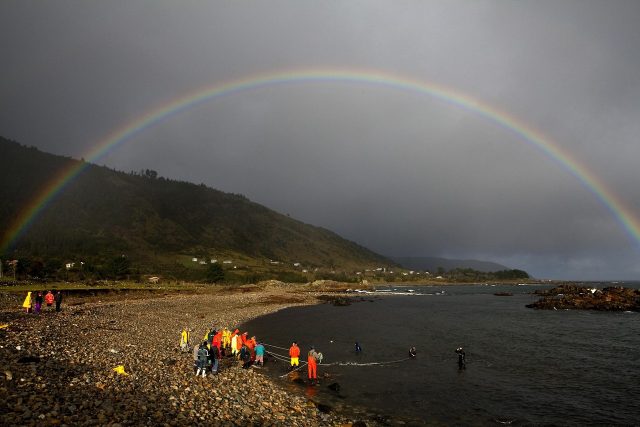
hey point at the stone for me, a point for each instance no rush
(162, 388)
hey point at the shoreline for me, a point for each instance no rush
(63, 374)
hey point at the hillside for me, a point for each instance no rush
(433, 264)
(157, 223)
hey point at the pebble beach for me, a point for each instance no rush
(58, 368)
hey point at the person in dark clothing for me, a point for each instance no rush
(245, 356)
(39, 301)
(214, 358)
(203, 359)
(58, 300)
(412, 352)
(210, 335)
(462, 361)
(358, 348)
(196, 350)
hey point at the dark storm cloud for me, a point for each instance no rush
(399, 172)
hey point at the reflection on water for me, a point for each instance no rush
(523, 366)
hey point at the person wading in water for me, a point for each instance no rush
(462, 360)
(294, 353)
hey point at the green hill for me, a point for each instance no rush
(159, 225)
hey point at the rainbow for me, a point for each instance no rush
(139, 124)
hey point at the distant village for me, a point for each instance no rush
(228, 270)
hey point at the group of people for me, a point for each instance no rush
(223, 343)
(217, 344)
(35, 304)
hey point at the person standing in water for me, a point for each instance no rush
(260, 354)
(312, 366)
(462, 360)
(358, 348)
(294, 353)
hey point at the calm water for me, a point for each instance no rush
(523, 366)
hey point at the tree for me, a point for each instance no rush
(150, 173)
(36, 269)
(119, 267)
(215, 273)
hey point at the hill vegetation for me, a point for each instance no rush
(110, 224)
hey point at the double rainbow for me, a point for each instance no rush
(130, 130)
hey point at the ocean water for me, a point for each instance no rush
(524, 366)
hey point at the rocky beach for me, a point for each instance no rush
(58, 368)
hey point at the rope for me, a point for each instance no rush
(286, 359)
(283, 358)
(299, 367)
(278, 356)
(364, 364)
(275, 346)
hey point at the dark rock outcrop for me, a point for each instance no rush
(503, 294)
(575, 297)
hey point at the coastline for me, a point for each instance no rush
(62, 373)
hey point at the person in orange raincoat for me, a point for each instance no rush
(312, 365)
(217, 340)
(294, 353)
(251, 345)
(49, 298)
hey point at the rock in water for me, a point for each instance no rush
(582, 298)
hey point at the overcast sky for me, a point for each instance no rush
(399, 172)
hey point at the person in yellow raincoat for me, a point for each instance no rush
(27, 302)
(226, 338)
(184, 340)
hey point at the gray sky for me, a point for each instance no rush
(399, 172)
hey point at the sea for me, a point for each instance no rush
(523, 366)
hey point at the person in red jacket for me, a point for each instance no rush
(49, 298)
(294, 353)
(217, 340)
(251, 346)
